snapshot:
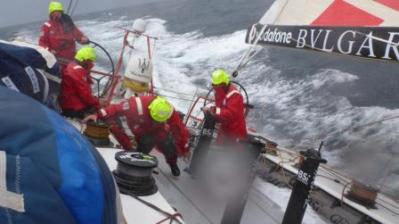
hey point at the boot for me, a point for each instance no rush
(175, 169)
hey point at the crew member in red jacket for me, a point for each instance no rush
(229, 108)
(59, 35)
(76, 97)
(153, 122)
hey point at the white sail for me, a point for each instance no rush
(333, 13)
(364, 28)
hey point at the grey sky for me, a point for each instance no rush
(14, 12)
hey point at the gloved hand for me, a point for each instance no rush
(103, 102)
(211, 110)
(84, 40)
(92, 117)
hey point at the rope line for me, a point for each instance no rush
(169, 216)
(250, 53)
(247, 55)
(188, 198)
(335, 176)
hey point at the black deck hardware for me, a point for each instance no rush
(303, 184)
(134, 173)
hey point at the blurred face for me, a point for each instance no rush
(88, 64)
(221, 88)
(56, 15)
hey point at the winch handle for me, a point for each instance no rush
(314, 155)
(249, 106)
(321, 146)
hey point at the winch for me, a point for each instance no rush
(134, 173)
(98, 133)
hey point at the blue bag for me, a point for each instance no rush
(49, 172)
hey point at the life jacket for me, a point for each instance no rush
(59, 37)
(132, 118)
(49, 172)
(229, 113)
(76, 93)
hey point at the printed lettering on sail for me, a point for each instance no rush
(370, 42)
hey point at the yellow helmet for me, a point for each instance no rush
(160, 109)
(220, 76)
(86, 53)
(55, 6)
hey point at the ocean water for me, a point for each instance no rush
(301, 98)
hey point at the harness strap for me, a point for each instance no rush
(139, 105)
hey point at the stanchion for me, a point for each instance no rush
(304, 180)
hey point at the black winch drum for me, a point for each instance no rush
(134, 173)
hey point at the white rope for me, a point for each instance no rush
(250, 53)
(247, 57)
(69, 6)
(357, 128)
(74, 7)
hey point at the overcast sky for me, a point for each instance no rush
(14, 12)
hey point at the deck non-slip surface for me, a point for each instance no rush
(198, 206)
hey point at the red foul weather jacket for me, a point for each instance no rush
(132, 117)
(229, 113)
(60, 43)
(76, 91)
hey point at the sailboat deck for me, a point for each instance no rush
(335, 184)
(199, 207)
(133, 210)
